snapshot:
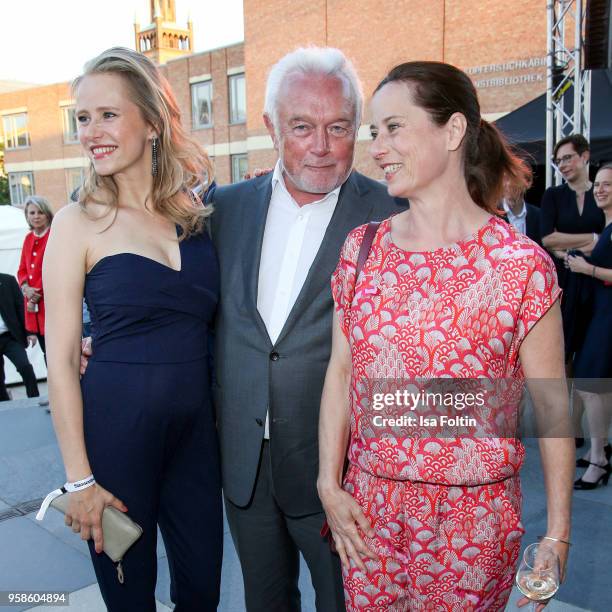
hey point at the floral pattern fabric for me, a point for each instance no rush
(456, 312)
(439, 548)
(446, 511)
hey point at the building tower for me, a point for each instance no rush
(163, 39)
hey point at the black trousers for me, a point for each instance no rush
(43, 346)
(17, 354)
(269, 543)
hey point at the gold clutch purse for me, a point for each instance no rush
(119, 530)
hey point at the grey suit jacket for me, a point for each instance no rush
(254, 376)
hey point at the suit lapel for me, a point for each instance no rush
(530, 222)
(352, 209)
(254, 225)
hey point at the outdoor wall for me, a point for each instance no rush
(221, 139)
(502, 45)
(485, 37)
(47, 156)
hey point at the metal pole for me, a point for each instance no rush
(586, 104)
(550, 16)
(561, 56)
(578, 84)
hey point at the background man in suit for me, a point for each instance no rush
(13, 336)
(278, 239)
(524, 217)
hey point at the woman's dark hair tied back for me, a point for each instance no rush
(443, 90)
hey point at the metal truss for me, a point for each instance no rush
(565, 78)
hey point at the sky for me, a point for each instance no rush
(48, 41)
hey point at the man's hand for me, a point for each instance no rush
(31, 340)
(86, 353)
(257, 172)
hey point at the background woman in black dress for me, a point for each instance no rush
(594, 357)
(571, 220)
(140, 424)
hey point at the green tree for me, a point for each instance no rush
(5, 197)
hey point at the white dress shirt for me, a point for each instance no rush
(292, 238)
(518, 221)
(3, 327)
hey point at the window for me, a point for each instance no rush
(240, 165)
(21, 185)
(70, 125)
(74, 179)
(16, 131)
(201, 104)
(237, 96)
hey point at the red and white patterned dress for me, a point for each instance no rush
(446, 511)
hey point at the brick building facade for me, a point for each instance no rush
(501, 45)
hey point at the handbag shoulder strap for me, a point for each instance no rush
(364, 249)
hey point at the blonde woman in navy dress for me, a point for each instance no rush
(140, 423)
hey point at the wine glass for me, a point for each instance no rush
(538, 574)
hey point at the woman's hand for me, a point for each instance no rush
(344, 515)
(84, 513)
(562, 550)
(578, 264)
(86, 353)
(29, 292)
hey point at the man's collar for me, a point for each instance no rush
(277, 176)
(509, 212)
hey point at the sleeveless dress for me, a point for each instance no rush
(149, 424)
(594, 358)
(445, 510)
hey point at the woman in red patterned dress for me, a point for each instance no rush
(449, 290)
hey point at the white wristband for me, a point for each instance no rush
(69, 487)
(79, 485)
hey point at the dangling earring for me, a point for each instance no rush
(154, 156)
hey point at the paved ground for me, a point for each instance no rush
(47, 556)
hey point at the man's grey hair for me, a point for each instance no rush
(325, 61)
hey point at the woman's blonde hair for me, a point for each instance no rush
(43, 205)
(182, 162)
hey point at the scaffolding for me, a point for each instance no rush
(565, 77)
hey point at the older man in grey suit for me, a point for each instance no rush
(278, 238)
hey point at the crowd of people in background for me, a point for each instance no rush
(442, 270)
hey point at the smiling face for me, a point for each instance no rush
(407, 145)
(111, 127)
(315, 135)
(573, 167)
(602, 189)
